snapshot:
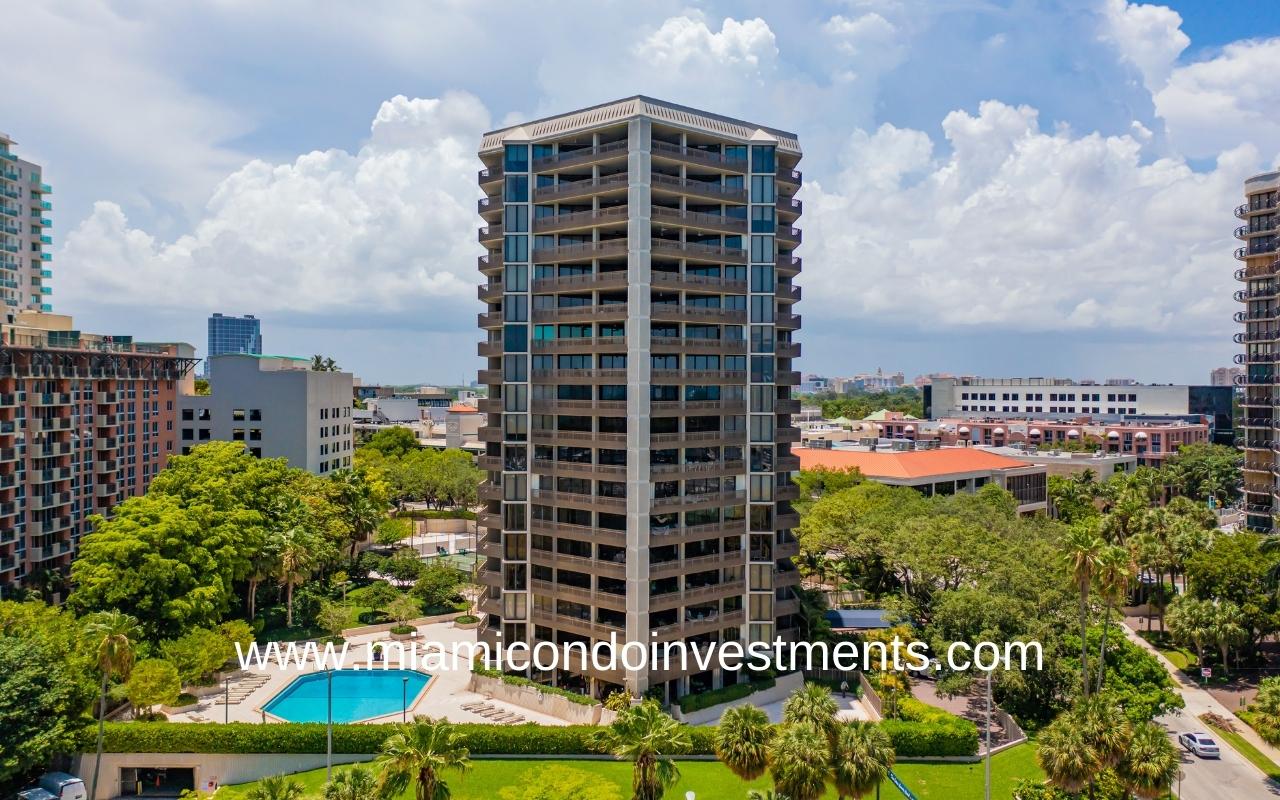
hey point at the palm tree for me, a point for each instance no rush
(418, 753)
(742, 741)
(1227, 629)
(861, 758)
(646, 736)
(294, 565)
(1150, 763)
(1114, 572)
(1066, 757)
(1083, 547)
(799, 760)
(276, 787)
(1105, 728)
(812, 704)
(111, 636)
(357, 783)
(765, 794)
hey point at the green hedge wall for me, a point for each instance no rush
(248, 737)
(954, 737)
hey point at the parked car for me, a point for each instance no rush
(35, 794)
(63, 786)
(1199, 743)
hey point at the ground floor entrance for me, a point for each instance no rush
(156, 782)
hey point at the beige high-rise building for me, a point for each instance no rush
(24, 234)
(1260, 335)
(640, 343)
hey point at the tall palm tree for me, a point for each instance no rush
(1083, 548)
(647, 736)
(742, 741)
(294, 565)
(860, 759)
(110, 635)
(1105, 728)
(799, 761)
(277, 787)
(1150, 763)
(417, 754)
(357, 783)
(1227, 629)
(1066, 757)
(1114, 573)
(812, 704)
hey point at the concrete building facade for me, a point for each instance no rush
(278, 407)
(1260, 218)
(85, 421)
(25, 234)
(640, 282)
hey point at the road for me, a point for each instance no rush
(1213, 779)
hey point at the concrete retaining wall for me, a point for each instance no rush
(534, 700)
(784, 686)
(216, 768)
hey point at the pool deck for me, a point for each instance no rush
(444, 695)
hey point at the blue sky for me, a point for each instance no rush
(1008, 187)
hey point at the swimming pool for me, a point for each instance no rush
(358, 694)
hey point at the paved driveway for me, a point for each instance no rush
(1212, 779)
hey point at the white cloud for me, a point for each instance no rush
(1021, 229)
(376, 231)
(1148, 36)
(858, 34)
(687, 43)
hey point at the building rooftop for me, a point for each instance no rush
(906, 464)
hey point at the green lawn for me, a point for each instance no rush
(711, 781)
(1180, 657)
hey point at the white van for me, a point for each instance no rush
(63, 786)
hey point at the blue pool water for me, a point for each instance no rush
(357, 694)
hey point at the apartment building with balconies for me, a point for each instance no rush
(640, 343)
(25, 235)
(85, 422)
(1260, 215)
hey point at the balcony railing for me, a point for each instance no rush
(564, 190)
(693, 155)
(490, 175)
(583, 251)
(486, 204)
(701, 252)
(676, 280)
(735, 194)
(613, 279)
(604, 310)
(583, 155)
(791, 176)
(579, 219)
(697, 219)
(1245, 209)
(490, 233)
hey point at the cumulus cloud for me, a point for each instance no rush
(1018, 228)
(370, 232)
(685, 42)
(1149, 37)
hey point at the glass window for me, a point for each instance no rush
(515, 397)
(515, 158)
(517, 278)
(515, 219)
(515, 248)
(762, 248)
(515, 308)
(515, 368)
(762, 189)
(763, 219)
(762, 279)
(762, 306)
(762, 369)
(517, 189)
(763, 158)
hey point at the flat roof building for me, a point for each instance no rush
(26, 236)
(278, 407)
(640, 281)
(233, 335)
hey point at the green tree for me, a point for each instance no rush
(742, 741)
(1063, 752)
(1190, 622)
(357, 783)
(392, 442)
(1227, 630)
(196, 655)
(1266, 710)
(153, 682)
(418, 754)
(560, 782)
(333, 618)
(437, 584)
(110, 636)
(277, 787)
(1082, 553)
(861, 758)
(323, 364)
(297, 562)
(647, 737)
(43, 698)
(799, 761)
(812, 705)
(1150, 762)
(1114, 574)
(404, 608)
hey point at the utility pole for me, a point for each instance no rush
(328, 754)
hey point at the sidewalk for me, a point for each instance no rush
(1200, 701)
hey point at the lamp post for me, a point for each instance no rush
(404, 699)
(328, 753)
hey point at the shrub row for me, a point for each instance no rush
(516, 680)
(247, 737)
(694, 702)
(952, 737)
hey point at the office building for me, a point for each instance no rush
(1225, 376)
(278, 407)
(233, 335)
(85, 422)
(640, 282)
(933, 470)
(25, 234)
(1065, 399)
(1261, 320)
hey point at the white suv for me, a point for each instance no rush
(1200, 744)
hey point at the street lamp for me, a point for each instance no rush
(328, 753)
(404, 699)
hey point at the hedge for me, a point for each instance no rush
(309, 737)
(695, 702)
(954, 737)
(516, 680)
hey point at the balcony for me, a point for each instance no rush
(542, 466)
(594, 566)
(1254, 206)
(788, 350)
(41, 527)
(788, 463)
(603, 312)
(579, 220)
(704, 189)
(1241, 338)
(104, 443)
(694, 219)
(1244, 295)
(488, 491)
(787, 264)
(787, 436)
(106, 465)
(561, 406)
(487, 519)
(54, 475)
(51, 423)
(487, 205)
(695, 594)
(557, 437)
(582, 344)
(788, 378)
(679, 281)
(578, 375)
(790, 236)
(787, 406)
(488, 350)
(701, 469)
(490, 320)
(787, 293)
(607, 536)
(712, 253)
(711, 375)
(660, 504)
(489, 292)
(785, 521)
(679, 535)
(581, 252)
(791, 177)
(41, 502)
(49, 399)
(106, 490)
(698, 345)
(787, 321)
(671, 312)
(490, 377)
(489, 433)
(489, 463)
(489, 266)
(569, 190)
(693, 155)
(584, 155)
(490, 175)
(490, 235)
(699, 437)
(614, 279)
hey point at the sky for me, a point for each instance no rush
(999, 187)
